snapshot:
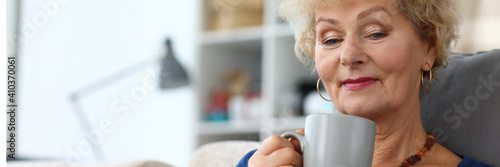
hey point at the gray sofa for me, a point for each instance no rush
(463, 106)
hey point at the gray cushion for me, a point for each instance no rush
(463, 106)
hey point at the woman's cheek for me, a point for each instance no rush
(389, 60)
(395, 55)
(317, 59)
(326, 66)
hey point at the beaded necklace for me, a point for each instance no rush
(431, 139)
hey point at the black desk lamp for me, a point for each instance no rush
(172, 75)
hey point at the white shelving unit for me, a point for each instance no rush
(266, 52)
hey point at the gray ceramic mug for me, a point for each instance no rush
(336, 140)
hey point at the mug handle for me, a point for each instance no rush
(296, 135)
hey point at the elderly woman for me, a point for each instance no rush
(373, 57)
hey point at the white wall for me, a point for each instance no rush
(67, 45)
(11, 26)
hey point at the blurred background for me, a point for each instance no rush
(98, 81)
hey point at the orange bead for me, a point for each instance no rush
(432, 138)
(421, 153)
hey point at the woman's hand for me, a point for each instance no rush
(278, 151)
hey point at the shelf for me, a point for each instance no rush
(267, 53)
(232, 35)
(228, 128)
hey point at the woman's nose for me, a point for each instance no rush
(352, 54)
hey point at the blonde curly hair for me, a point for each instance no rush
(433, 20)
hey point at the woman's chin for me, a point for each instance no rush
(363, 104)
(365, 110)
(368, 114)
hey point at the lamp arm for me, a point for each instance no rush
(80, 114)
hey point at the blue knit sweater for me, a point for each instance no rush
(466, 161)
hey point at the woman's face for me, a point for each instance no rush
(369, 57)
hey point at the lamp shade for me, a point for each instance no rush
(172, 73)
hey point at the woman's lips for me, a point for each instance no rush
(359, 83)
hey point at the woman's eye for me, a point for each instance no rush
(331, 41)
(377, 35)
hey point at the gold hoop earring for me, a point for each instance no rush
(317, 88)
(430, 79)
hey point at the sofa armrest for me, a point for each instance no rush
(225, 153)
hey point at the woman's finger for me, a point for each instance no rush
(273, 143)
(285, 157)
(296, 143)
(301, 131)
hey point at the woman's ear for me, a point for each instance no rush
(430, 53)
